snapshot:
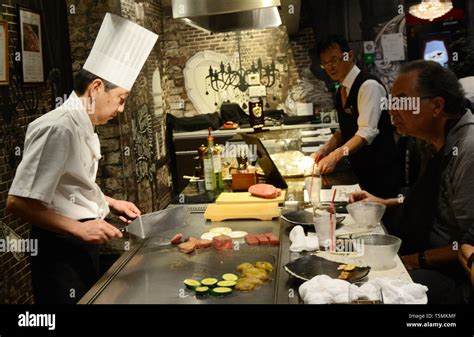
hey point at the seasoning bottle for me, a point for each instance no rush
(256, 116)
(201, 153)
(212, 168)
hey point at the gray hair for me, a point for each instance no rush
(83, 78)
(435, 80)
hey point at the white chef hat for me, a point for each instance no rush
(120, 51)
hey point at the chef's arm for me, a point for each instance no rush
(331, 144)
(328, 163)
(431, 258)
(351, 146)
(35, 212)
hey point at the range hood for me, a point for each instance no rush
(219, 16)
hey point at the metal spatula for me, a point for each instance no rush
(156, 223)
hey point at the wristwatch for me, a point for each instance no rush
(469, 261)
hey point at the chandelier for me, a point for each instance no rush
(431, 9)
(226, 77)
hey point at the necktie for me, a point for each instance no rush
(343, 96)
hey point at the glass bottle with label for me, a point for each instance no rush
(213, 168)
(257, 120)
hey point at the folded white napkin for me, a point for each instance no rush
(322, 289)
(399, 292)
(301, 242)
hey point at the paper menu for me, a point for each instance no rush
(393, 47)
(342, 192)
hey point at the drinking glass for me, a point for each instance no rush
(365, 293)
(322, 224)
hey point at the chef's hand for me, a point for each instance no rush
(318, 155)
(411, 261)
(126, 210)
(97, 231)
(328, 163)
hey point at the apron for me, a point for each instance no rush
(64, 269)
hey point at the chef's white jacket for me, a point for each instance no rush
(60, 162)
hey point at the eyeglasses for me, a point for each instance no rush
(333, 62)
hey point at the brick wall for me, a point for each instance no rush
(182, 42)
(15, 277)
(130, 168)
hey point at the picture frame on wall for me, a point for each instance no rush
(31, 46)
(4, 61)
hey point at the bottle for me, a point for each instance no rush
(198, 170)
(257, 120)
(212, 168)
(201, 153)
(218, 168)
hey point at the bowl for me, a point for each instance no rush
(379, 250)
(366, 214)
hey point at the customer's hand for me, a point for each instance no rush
(411, 261)
(464, 253)
(364, 196)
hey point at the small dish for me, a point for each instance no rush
(309, 266)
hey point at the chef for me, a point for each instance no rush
(366, 135)
(54, 188)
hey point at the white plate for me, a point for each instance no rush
(237, 234)
(221, 230)
(209, 236)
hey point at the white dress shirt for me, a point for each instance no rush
(60, 162)
(368, 104)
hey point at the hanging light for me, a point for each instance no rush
(431, 9)
(225, 77)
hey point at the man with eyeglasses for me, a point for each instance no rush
(438, 213)
(366, 135)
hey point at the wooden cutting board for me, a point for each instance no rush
(247, 198)
(221, 212)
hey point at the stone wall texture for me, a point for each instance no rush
(28, 104)
(183, 41)
(134, 166)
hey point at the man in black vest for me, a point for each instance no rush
(366, 135)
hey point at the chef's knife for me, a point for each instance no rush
(157, 223)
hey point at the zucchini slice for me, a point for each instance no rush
(226, 284)
(221, 291)
(202, 290)
(209, 282)
(230, 277)
(191, 284)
